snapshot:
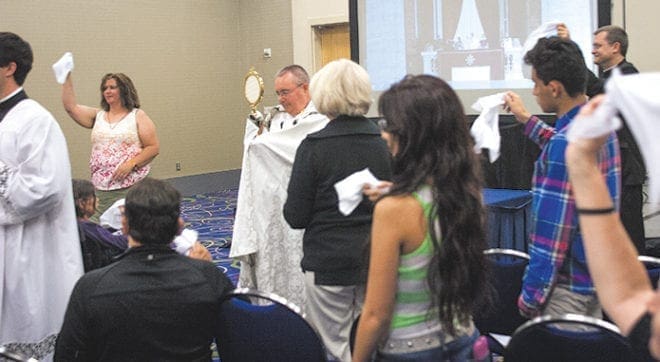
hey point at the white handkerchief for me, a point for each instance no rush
(603, 121)
(543, 31)
(636, 97)
(112, 216)
(62, 67)
(184, 242)
(349, 190)
(485, 129)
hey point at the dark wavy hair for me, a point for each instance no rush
(425, 116)
(127, 92)
(559, 59)
(14, 49)
(82, 191)
(152, 210)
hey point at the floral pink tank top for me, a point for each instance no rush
(112, 145)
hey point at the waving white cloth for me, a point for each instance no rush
(112, 216)
(349, 190)
(635, 96)
(63, 67)
(545, 30)
(485, 129)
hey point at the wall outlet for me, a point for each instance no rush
(178, 166)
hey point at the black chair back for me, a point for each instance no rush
(507, 270)
(255, 326)
(570, 337)
(652, 265)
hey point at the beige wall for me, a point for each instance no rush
(187, 59)
(306, 14)
(642, 29)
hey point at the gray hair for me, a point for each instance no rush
(341, 87)
(297, 71)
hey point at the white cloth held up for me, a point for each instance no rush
(349, 190)
(635, 96)
(485, 129)
(543, 31)
(63, 67)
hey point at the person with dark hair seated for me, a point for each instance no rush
(100, 246)
(152, 304)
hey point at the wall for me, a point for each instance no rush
(306, 14)
(642, 31)
(187, 59)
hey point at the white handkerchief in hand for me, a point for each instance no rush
(112, 216)
(349, 190)
(184, 242)
(636, 97)
(543, 31)
(62, 67)
(485, 129)
(603, 121)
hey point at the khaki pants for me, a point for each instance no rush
(332, 310)
(106, 199)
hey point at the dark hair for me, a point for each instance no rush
(82, 191)
(615, 34)
(127, 91)
(297, 71)
(152, 210)
(425, 116)
(559, 59)
(14, 49)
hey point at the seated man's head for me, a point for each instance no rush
(151, 212)
(84, 198)
(558, 71)
(292, 88)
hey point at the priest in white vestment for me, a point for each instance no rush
(40, 257)
(269, 250)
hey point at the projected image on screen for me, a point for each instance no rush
(473, 44)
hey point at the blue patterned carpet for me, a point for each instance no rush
(212, 216)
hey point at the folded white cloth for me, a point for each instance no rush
(545, 30)
(112, 216)
(485, 129)
(184, 242)
(349, 190)
(635, 96)
(62, 67)
(603, 121)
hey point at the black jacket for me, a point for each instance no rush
(334, 244)
(151, 305)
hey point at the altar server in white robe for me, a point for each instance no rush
(269, 250)
(40, 258)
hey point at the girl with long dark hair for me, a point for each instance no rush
(427, 271)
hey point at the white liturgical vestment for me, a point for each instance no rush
(40, 257)
(269, 250)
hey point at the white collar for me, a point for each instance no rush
(12, 94)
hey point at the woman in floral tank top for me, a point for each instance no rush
(124, 139)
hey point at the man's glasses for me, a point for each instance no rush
(286, 92)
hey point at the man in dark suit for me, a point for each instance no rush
(610, 46)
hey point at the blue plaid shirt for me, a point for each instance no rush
(556, 249)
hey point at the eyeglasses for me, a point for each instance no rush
(286, 92)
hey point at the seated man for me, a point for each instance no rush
(100, 246)
(152, 304)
